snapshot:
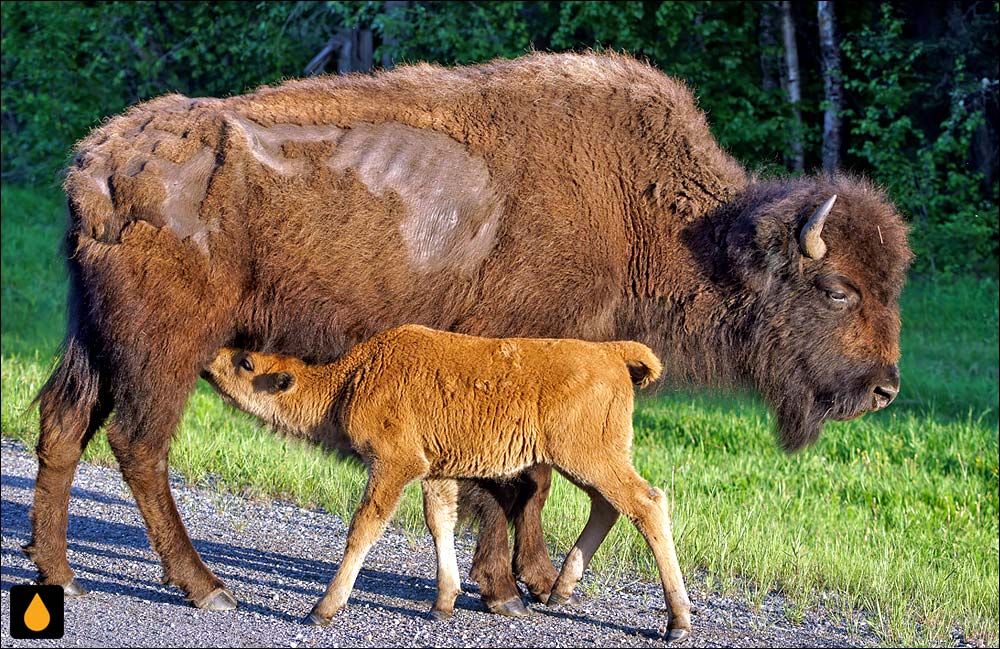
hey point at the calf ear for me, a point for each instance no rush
(284, 382)
(275, 383)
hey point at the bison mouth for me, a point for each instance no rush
(847, 414)
(802, 413)
(857, 403)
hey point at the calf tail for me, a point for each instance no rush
(643, 365)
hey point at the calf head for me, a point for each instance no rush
(261, 384)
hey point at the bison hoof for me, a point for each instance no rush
(219, 599)
(676, 635)
(440, 614)
(315, 619)
(74, 589)
(513, 607)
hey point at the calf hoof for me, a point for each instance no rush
(74, 589)
(440, 614)
(557, 599)
(513, 607)
(219, 599)
(315, 619)
(676, 635)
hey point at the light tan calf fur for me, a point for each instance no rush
(420, 404)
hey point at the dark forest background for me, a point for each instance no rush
(904, 93)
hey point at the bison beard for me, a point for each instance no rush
(552, 196)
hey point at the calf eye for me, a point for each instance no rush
(246, 364)
(837, 296)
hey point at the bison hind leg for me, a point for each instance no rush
(73, 404)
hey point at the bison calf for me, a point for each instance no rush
(416, 403)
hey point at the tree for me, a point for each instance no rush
(395, 10)
(832, 83)
(768, 44)
(790, 80)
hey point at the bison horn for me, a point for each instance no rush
(809, 241)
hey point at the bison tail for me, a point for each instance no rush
(74, 391)
(643, 365)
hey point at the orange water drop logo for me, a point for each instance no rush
(37, 617)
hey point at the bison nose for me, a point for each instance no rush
(887, 386)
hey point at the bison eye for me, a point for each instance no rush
(246, 364)
(840, 294)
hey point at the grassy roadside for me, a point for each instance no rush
(895, 513)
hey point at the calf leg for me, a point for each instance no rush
(441, 513)
(602, 517)
(650, 516)
(385, 486)
(646, 507)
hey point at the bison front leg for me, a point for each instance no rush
(491, 566)
(531, 557)
(496, 505)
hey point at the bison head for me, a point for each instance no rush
(821, 264)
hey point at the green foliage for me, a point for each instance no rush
(916, 108)
(928, 175)
(67, 65)
(458, 33)
(714, 46)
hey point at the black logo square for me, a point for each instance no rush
(36, 612)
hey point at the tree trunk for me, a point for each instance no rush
(791, 83)
(395, 10)
(353, 48)
(769, 66)
(833, 84)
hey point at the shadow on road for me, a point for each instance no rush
(93, 541)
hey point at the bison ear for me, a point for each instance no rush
(774, 244)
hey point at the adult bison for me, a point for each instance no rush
(552, 195)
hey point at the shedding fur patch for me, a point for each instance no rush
(451, 206)
(274, 146)
(186, 186)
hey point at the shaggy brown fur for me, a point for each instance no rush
(554, 195)
(422, 404)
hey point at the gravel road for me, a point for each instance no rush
(277, 559)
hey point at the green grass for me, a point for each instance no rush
(895, 513)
